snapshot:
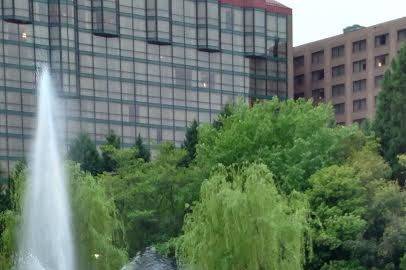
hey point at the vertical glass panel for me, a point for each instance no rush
(17, 11)
(208, 25)
(159, 30)
(105, 22)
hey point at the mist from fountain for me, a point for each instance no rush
(46, 239)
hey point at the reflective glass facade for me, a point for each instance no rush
(145, 67)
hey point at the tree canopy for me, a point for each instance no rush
(293, 138)
(390, 120)
(84, 151)
(242, 222)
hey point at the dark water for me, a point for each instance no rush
(150, 260)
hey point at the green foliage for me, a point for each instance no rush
(9, 220)
(83, 151)
(343, 265)
(151, 196)
(113, 140)
(337, 199)
(226, 112)
(403, 262)
(143, 151)
(357, 214)
(107, 149)
(190, 144)
(402, 160)
(293, 138)
(98, 231)
(243, 223)
(390, 121)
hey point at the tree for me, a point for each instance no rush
(358, 214)
(190, 144)
(338, 201)
(84, 151)
(143, 151)
(242, 222)
(96, 225)
(11, 218)
(112, 143)
(293, 138)
(390, 120)
(226, 112)
(151, 196)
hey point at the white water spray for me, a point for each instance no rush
(46, 240)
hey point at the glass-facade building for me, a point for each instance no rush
(145, 67)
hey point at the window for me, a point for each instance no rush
(378, 81)
(255, 34)
(359, 46)
(381, 60)
(359, 105)
(359, 66)
(318, 94)
(159, 26)
(338, 71)
(381, 40)
(318, 75)
(402, 35)
(299, 79)
(299, 95)
(338, 90)
(208, 25)
(318, 57)
(339, 108)
(359, 86)
(182, 77)
(298, 61)
(337, 51)
(105, 22)
(17, 11)
(227, 18)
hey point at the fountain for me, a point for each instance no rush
(46, 241)
(150, 260)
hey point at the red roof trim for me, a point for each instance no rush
(268, 5)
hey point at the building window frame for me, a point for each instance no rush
(359, 66)
(359, 105)
(100, 9)
(318, 57)
(338, 51)
(402, 35)
(20, 15)
(338, 90)
(318, 94)
(338, 71)
(359, 85)
(359, 46)
(157, 17)
(318, 75)
(298, 61)
(381, 40)
(339, 108)
(208, 25)
(381, 60)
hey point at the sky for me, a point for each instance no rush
(318, 19)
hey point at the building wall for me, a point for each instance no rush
(136, 68)
(355, 110)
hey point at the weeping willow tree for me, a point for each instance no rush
(98, 231)
(243, 223)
